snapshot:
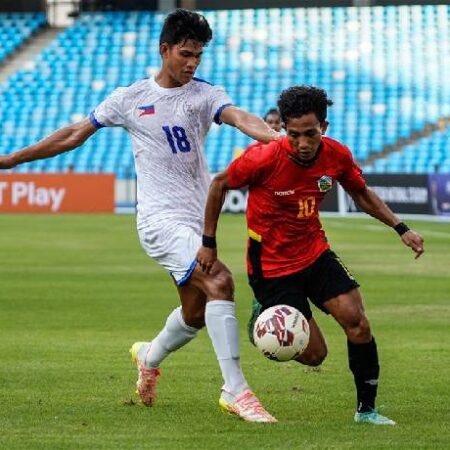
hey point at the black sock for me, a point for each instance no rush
(363, 362)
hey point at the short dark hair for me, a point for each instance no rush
(297, 101)
(182, 25)
(271, 111)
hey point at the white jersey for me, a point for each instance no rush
(168, 128)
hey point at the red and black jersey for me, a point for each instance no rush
(283, 222)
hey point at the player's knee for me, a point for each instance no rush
(223, 285)
(359, 330)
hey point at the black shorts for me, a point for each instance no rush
(325, 278)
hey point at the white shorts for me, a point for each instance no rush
(174, 246)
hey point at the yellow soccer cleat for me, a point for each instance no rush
(147, 377)
(246, 406)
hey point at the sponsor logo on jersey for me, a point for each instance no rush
(146, 110)
(283, 193)
(325, 183)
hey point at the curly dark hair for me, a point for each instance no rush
(182, 25)
(297, 101)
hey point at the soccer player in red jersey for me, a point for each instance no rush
(289, 259)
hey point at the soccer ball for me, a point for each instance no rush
(281, 333)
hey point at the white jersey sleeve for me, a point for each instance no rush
(217, 101)
(110, 112)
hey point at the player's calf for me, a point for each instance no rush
(312, 358)
(194, 317)
(317, 350)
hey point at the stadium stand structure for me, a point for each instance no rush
(386, 68)
(15, 29)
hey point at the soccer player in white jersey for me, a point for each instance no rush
(168, 117)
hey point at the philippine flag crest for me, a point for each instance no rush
(146, 110)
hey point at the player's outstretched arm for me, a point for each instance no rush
(372, 204)
(207, 255)
(249, 124)
(62, 140)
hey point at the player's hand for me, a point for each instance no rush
(206, 257)
(6, 162)
(275, 135)
(413, 240)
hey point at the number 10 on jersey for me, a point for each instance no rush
(177, 139)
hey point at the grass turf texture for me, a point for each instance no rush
(76, 291)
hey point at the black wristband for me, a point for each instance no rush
(401, 228)
(209, 241)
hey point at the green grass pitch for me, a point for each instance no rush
(76, 291)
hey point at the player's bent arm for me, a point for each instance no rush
(216, 196)
(62, 140)
(207, 255)
(249, 124)
(372, 204)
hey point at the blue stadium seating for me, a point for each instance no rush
(15, 28)
(386, 68)
(426, 155)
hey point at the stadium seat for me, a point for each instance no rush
(383, 67)
(15, 29)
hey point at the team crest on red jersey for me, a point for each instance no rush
(325, 183)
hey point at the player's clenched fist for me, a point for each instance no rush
(206, 257)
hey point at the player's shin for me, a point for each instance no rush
(173, 336)
(363, 362)
(222, 326)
